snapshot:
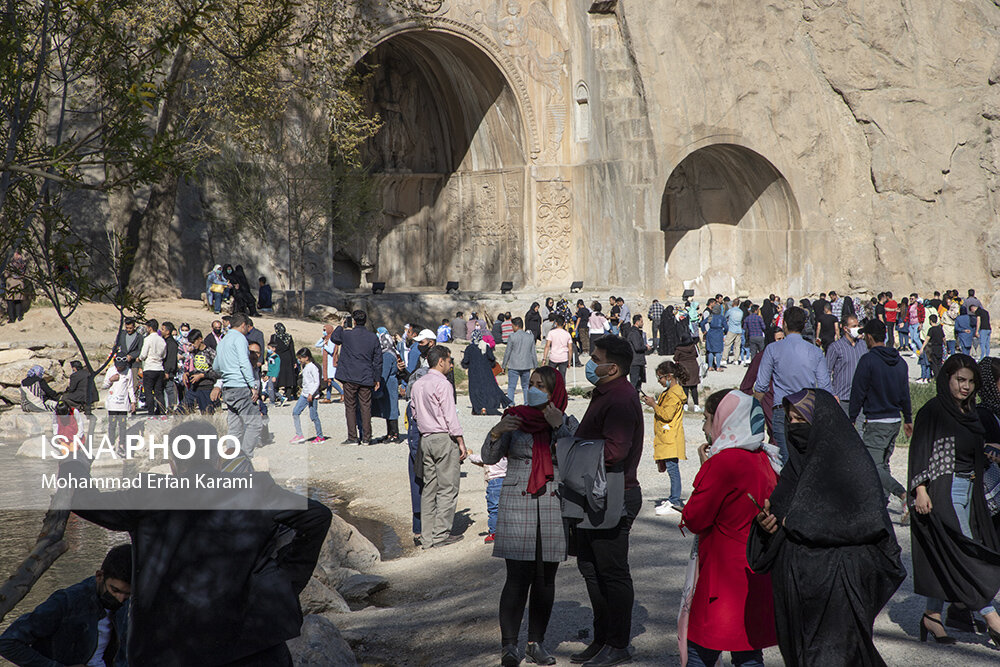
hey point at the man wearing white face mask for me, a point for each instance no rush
(842, 359)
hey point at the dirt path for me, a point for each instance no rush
(442, 605)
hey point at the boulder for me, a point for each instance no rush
(17, 354)
(359, 586)
(12, 373)
(11, 395)
(59, 353)
(327, 314)
(345, 546)
(34, 447)
(317, 598)
(320, 645)
(333, 576)
(17, 425)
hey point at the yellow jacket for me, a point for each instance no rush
(668, 424)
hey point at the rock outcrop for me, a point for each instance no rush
(346, 547)
(320, 645)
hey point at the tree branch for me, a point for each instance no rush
(48, 547)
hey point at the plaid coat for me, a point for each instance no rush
(519, 514)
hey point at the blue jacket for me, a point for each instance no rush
(63, 630)
(881, 386)
(963, 329)
(715, 333)
(385, 401)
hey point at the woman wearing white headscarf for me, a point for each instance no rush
(36, 394)
(726, 606)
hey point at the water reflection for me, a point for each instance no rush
(88, 545)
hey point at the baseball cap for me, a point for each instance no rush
(426, 334)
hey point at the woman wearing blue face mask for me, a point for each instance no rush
(530, 535)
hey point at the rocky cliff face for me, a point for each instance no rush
(740, 147)
(882, 116)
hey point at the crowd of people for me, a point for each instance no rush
(795, 545)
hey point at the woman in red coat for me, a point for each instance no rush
(726, 606)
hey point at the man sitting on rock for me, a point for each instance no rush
(82, 625)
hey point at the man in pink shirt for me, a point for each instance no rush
(433, 402)
(558, 345)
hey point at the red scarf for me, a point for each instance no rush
(533, 422)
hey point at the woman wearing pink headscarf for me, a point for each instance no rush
(726, 606)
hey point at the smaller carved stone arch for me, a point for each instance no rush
(581, 97)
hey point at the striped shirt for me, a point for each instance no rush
(842, 359)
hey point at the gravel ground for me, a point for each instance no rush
(442, 606)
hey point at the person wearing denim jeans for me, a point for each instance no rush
(309, 397)
(961, 500)
(668, 430)
(954, 549)
(519, 359)
(493, 488)
(925, 366)
(215, 278)
(495, 475)
(983, 329)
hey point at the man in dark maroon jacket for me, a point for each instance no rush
(615, 416)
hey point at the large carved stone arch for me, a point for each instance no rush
(485, 44)
(452, 158)
(731, 222)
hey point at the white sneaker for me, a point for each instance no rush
(664, 508)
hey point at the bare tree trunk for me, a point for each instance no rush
(151, 269)
(49, 547)
(302, 278)
(148, 231)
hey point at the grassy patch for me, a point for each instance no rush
(919, 394)
(579, 391)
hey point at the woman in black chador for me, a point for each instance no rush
(243, 301)
(668, 332)
(533, 321)
(485, 394)
(956, 550)
(826, 539)
(288, 371)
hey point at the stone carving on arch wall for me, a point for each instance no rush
(431, 6)
(553, 230)
(530, 33)
(507, 65)
(513, 185)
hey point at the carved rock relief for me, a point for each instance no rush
(553, 225)
(531, 35)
